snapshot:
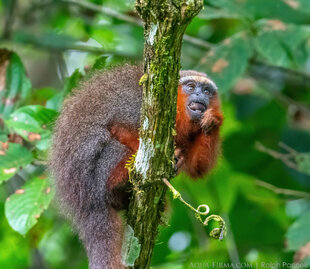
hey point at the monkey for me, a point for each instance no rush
(97, 131)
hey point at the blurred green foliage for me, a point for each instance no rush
(257, 51)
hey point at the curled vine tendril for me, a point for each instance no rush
(202, 210)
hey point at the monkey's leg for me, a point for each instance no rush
(126, 136)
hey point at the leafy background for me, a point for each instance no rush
(257, 51)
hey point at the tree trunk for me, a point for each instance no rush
(164, 24)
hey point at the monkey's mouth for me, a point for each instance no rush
(197, 107)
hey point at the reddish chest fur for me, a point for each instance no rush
(198, 147)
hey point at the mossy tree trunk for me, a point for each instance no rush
(164, 24)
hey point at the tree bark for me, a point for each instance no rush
(164, 24)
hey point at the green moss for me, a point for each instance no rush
(163, 63)
(143, 79)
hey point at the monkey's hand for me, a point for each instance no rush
(179, 160)
(210, 120)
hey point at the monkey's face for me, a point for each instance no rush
(199, 91)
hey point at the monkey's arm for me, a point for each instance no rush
(212, 118)
(201, 156)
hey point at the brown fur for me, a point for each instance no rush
(199, 142)
(95, 134)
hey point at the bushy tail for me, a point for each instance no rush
(81, 166)
(101, 232)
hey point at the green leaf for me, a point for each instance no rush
(298, 233)
(306, 262)
(105, 37)
(227, 62)
(226, 185)
(40, 96)
(17, 249)
(16, 87)
(303, 162)
(46, 40)
(12, 159)
(130, 247)
(24, 207)
(100, 63)
(119, 37)
(227, 5)
(72, 82)
(210, 13)
(3, 136)
(278, 42)
(173, 265)
(300, 5)
(55, 102)
(296, 208)
(287, 10)
(33, 123)
(8, 6)
(121, 5)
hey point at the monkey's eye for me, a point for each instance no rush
(190, 86)
(207, 91)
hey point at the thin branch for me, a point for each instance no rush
(133, 20)
(282, 191)
(231, 242)
(265, 71)
(258, 69)
(289, 76)
(278, 81)
(290, 102)
(288, 148)
(73, 46)
(9, 18)
(198, 42)
(106, 10)
(279, 156)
